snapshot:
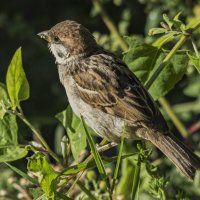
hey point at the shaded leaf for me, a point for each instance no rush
(144, 59)
(9, 149)
(17, 84)
(178, 24)
(3, 100)
(195, 61)
(75, 131)
(168, 21)
(170, 75)
(193, 88)
(141, 57)
(37, 194)
(8, 131)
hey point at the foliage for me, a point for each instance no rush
(73, 174)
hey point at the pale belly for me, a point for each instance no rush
(102, 123)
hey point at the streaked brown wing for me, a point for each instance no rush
(118, 93)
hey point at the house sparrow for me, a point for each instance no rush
(102, 89)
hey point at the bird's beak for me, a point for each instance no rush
(44, 35)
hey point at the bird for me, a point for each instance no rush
(106, 93)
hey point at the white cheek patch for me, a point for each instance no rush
(59, 52)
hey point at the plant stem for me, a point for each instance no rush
(39, 136)
(136, 179)
(109, 23)
(168, 109)
(166, 61)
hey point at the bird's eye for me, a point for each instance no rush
(56, 39)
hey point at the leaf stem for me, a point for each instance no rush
(39, 136)
(136, 179)
(166, 61)
(110, 25)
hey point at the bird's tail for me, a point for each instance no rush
(182, 157)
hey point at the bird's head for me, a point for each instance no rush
(69, 40)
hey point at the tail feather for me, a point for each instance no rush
(182, 157)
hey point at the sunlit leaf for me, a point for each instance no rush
(46, 175)
(75, 131)
(17, 84)
(155, 31)
(165, 39)
(12, 153)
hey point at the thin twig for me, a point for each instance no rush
(39, 136)
(110, 24)
(168, 109)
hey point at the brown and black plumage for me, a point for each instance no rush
(102, 89)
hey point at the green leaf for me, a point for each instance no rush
(195, 61)
(8, 131)
(75, 131)
(193, 23)
(144, 59)
(140, 57)
(37, 194)
(9, 149)
(178, 24)
(17, 84)
(165, 39)
(155, 31)
(4, 101)
(168, 21)
(95, 153)
(169, 76)
(12, 153)
(47, 177)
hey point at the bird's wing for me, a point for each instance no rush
(108, 85)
